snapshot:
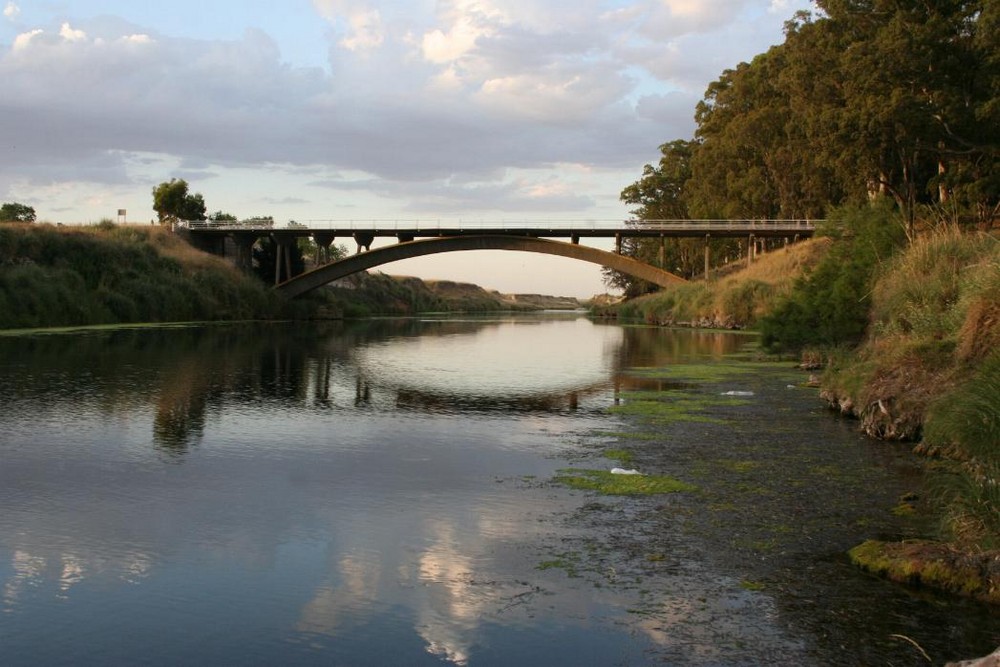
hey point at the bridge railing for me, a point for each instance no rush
(395, 225)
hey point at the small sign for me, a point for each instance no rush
(121, 215)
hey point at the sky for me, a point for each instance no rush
(310, 110)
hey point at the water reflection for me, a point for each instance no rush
(358, 493)
(187, 375)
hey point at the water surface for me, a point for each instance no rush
(379, 492)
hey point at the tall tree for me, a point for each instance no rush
(172, 202)
(16, 212)
(660, 195)
(917, 87)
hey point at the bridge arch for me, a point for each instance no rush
(318, 277)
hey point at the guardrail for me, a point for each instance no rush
(565, 226)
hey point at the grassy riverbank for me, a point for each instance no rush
(367, 294)
(105, 274)
(737, 300)
(928, 371)
(55, 276)
(909, 334)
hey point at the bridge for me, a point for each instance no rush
(416, 238)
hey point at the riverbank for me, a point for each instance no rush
(108, 274)
(736, 301)
(56, 276)
(926, 370)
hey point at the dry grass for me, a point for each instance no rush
(781, 267)
(737, 300)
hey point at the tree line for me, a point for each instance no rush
(863, 100)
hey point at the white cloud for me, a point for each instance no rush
(11, 11)
(442, 47)
(468, 107)
(366, 31)
(22, 41)
(137, 39)
(71, 35)
(361, 25)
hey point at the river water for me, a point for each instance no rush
(382, 493)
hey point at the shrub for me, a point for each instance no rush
(830, 304)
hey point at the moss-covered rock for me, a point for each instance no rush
(934, 565)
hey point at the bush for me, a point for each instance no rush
(110, 274)
(830, 305)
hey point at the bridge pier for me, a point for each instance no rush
(708, 266)
(283, 257)
(323, 242)
(618, 243)
(244, 242)
(663, 252)
(751, 248)
(364, 240)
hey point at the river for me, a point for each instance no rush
(383, 492)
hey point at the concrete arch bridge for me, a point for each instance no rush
(416, 239)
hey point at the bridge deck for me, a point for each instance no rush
(541, 229)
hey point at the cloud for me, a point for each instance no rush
(71, 35)
(22, 41)
(11, 11)
(466, 106)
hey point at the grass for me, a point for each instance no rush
(111, 274)
(966, 423)
(737, 300)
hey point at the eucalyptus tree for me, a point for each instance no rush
(918, 88)
(657, 195)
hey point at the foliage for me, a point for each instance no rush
(967, 422)
(15, 212)
(659, 195)
(114, 274)
(829, 306)
(737, 300)
(871, 100)
(172, 202)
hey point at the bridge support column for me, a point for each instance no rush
(663, 252)
(364, 240)
(244, 250)
(283, 258)
(708, 265)
(323, 243)
(575, 238)
(618, 243)
(751, 248)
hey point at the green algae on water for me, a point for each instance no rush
(612, 484)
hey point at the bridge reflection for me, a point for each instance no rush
(188, 378)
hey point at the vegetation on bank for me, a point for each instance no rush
(367, 294)
(59, 276)
(736, 300)
(106, 274)
(909, 333)
(884, 119)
